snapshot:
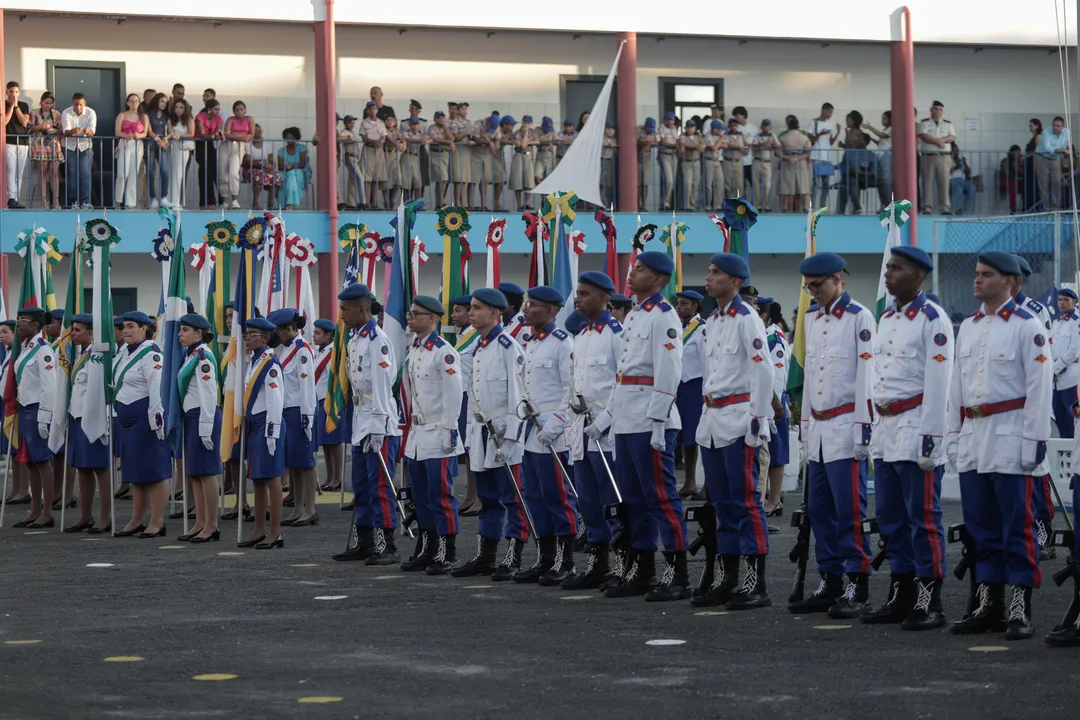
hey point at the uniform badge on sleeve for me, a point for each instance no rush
(672, 333)
(669, 346)
(865, 355)
(779, 354)
(205, 367)
(155, 357)
(449, 359)
(1040, 358)
(273, 373)
(940, 339)
(939, 358)
(757, 343)
(303, 359)
(864, 335)
(385, 350)
(1040, 340)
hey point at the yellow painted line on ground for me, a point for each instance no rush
(710, 613)
(229, 553)
(320, 699)
(388, 577)
(90, 539)
(171, 547)
(215, 677)
(21, 642)
(831, 627)
(124, 659)
(477, 587)
(577, 597)
(36, 532)
(305, 565)
(988, 648)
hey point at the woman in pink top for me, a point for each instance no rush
(239, 131)
(130, 129)
(208, 131)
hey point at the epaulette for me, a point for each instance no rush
(201, 352)
(559, 333)
(615, 325)
(439, 342)
(744, 309)
(888, 313)
(854, 308)
(156, 348)
(1023, 313)
(930, 311)
(505, 341)
(1035, 305)
(42, 341)
(813, 307)
(664, 306)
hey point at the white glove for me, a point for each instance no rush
(925, 464)
(43, 430)
(499, 425)
(208, 443)
(772, 427)
(862, 452)
(594, 432)
(271, 446)
(507, 448)
(657, 440)
(1029, 455)
(375, 442)
(447, 436)
(307, 431)
(160, 432)
(545, 438)
(952, 452)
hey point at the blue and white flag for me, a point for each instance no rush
(175, 307)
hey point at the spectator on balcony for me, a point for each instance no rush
(1031, 185)
(545, 154)
(565, 139)
(936, 136)
(522, 173)
(582, 119)
(383, 111)
(350, 161)
(181, 141)
(147, 95)
(608, 152)
(691, 146)
(411, 168)
(486, 164)
(394, 146)
(668, 135)
(714, 165)
(765, 145)
(207, 95)
(45, 148)
(1052, 147)
(239, 131)
(292, 161)
(208, 126)
(647, 139)
(441, 144)
(157, 150)
(130, 129)
(736, 147)
(261, 170)
(961, 186)
(883, 140)
(178, 91)
(1011, 176)
(461, 160)
(822, 139)
(372, 132)
(17, 128)
(749, 131)
(857, 167)
(795, 185)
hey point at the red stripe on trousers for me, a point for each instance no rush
(1029, 532)
(1049, 501)
(932, 535)
(444, 497)
(384, 500)
(856, 517)
(749, 488)
(564, 500)
(523, 521)
(665, 502)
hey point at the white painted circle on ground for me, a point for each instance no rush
(988, 648)
(331, 597)
(665, 641)
(99, 565)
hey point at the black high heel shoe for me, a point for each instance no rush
(51, 522)
(24, 500)
(123, 493)
(777, 511)
(251, 543)
(22, 524)
(159, 533)
(214, 537)
(131, 533)
(100, 531)
(279, 543)
(189, 536)
(57, 507)
(80, 526)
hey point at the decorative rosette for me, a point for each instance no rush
(565, 202)
(739, 214)
(167, 215)
(496, 233)
(452, 222)
(722, 226)
(299, 251)
(221, 235)
(676, 230)
(82, 242)
(201, 254)
(163, 246)
(386, 249)
(419, 249)
(369, 247)
(251, 234)
(100, 233)
(576, 238)
(644, 234)
(606, 224)
(51, 253)
(349, 234)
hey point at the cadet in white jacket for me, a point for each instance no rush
(35, 378)
(198, 386)
(1067, 632)
(1065, 331)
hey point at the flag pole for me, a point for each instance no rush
(112, 472)
(63, 481)
(241, 482)
(183, 477)
(7, 474)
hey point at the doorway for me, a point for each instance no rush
(578, 93)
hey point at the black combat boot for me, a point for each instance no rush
(511, 562)
(1043, 533)
(1020, 625)
(674, 583)
(595, 572)
(619, 562)
(988, 614)
(898, 605)
(927, 613)
(581, 537)
(544, 560)
(828, 592)
(483, 563)
(385, 548)
(422, 555)
(851, 604)
(638, 578)
(725, 580)
(361, 545)
(1067, 633)
(753, 593)
(563, 567)
(442, 561)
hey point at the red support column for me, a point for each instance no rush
(326, 121)
(3, 172)
(903, 118)
(626, 104)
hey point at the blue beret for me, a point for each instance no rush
(657, 261)
(1066, 292)
(429, 303)
(10, 323)
(1025, 266)
(83, 319)
(356, 291)
(30, 310)
(732, 264)
(618, 299)
(283, 316)
(822, 264)
(261, 324)
(230, 305)
(118, 321)
(325, 325)
(933, 298)
(55, 314)
(574, 322)
(598, 280)
(137, 316)
(509, 288)
(547, 294)
(690, 295)
(1003, 262)
(196, 321)
(491, 297)
(764, 300)
(465, 300)
(915, 255)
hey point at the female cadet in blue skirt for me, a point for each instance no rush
(198, 381)
(89, 459)
(332, 443)
(124, 491)
(265, 436)
(144, 453)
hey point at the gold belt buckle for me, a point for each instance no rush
(976, 411)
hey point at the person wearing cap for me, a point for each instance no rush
(714, 165)
(595, 357)
(736, 147)
(641, 413)
(620, 305)
(749, 131)
(763, 149)
(425, 157)
(936, 136)
(298, 379)
(440, 146)
(486, 161)
(375, 432)
(691, 145)
(461, 159)
(416, 141)
(565, 139)
(1043, 508)
(384, 111)
(608, 154)
(332, 443)
(54, 327)
(737, 396)
(1066, 347)
(522, 172)
(495, 438)
(998, 423)
(795, 182)
(350, 159)
(394, 147)
(913, 360)
(548, 352)
(668, 137)
(467, 338)
(647, 139)
(688, 396)
(372, 132)
(835, 429)
(431, 389)
(264, 402)
(545, 155)
(778, 449)
(144, 452)
(198, 386)
(513, 320)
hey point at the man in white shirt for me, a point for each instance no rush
(749, 131)
(822, 137)
(79, 123)
(936, 136)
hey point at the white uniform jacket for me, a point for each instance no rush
(1066, 331)
(549, 361)
(202, 393)
(596, 358)
(372, 372)
(137, 375)
(495, 391)
(35, 377)
(433, 387)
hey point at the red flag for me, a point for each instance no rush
(611, 257)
